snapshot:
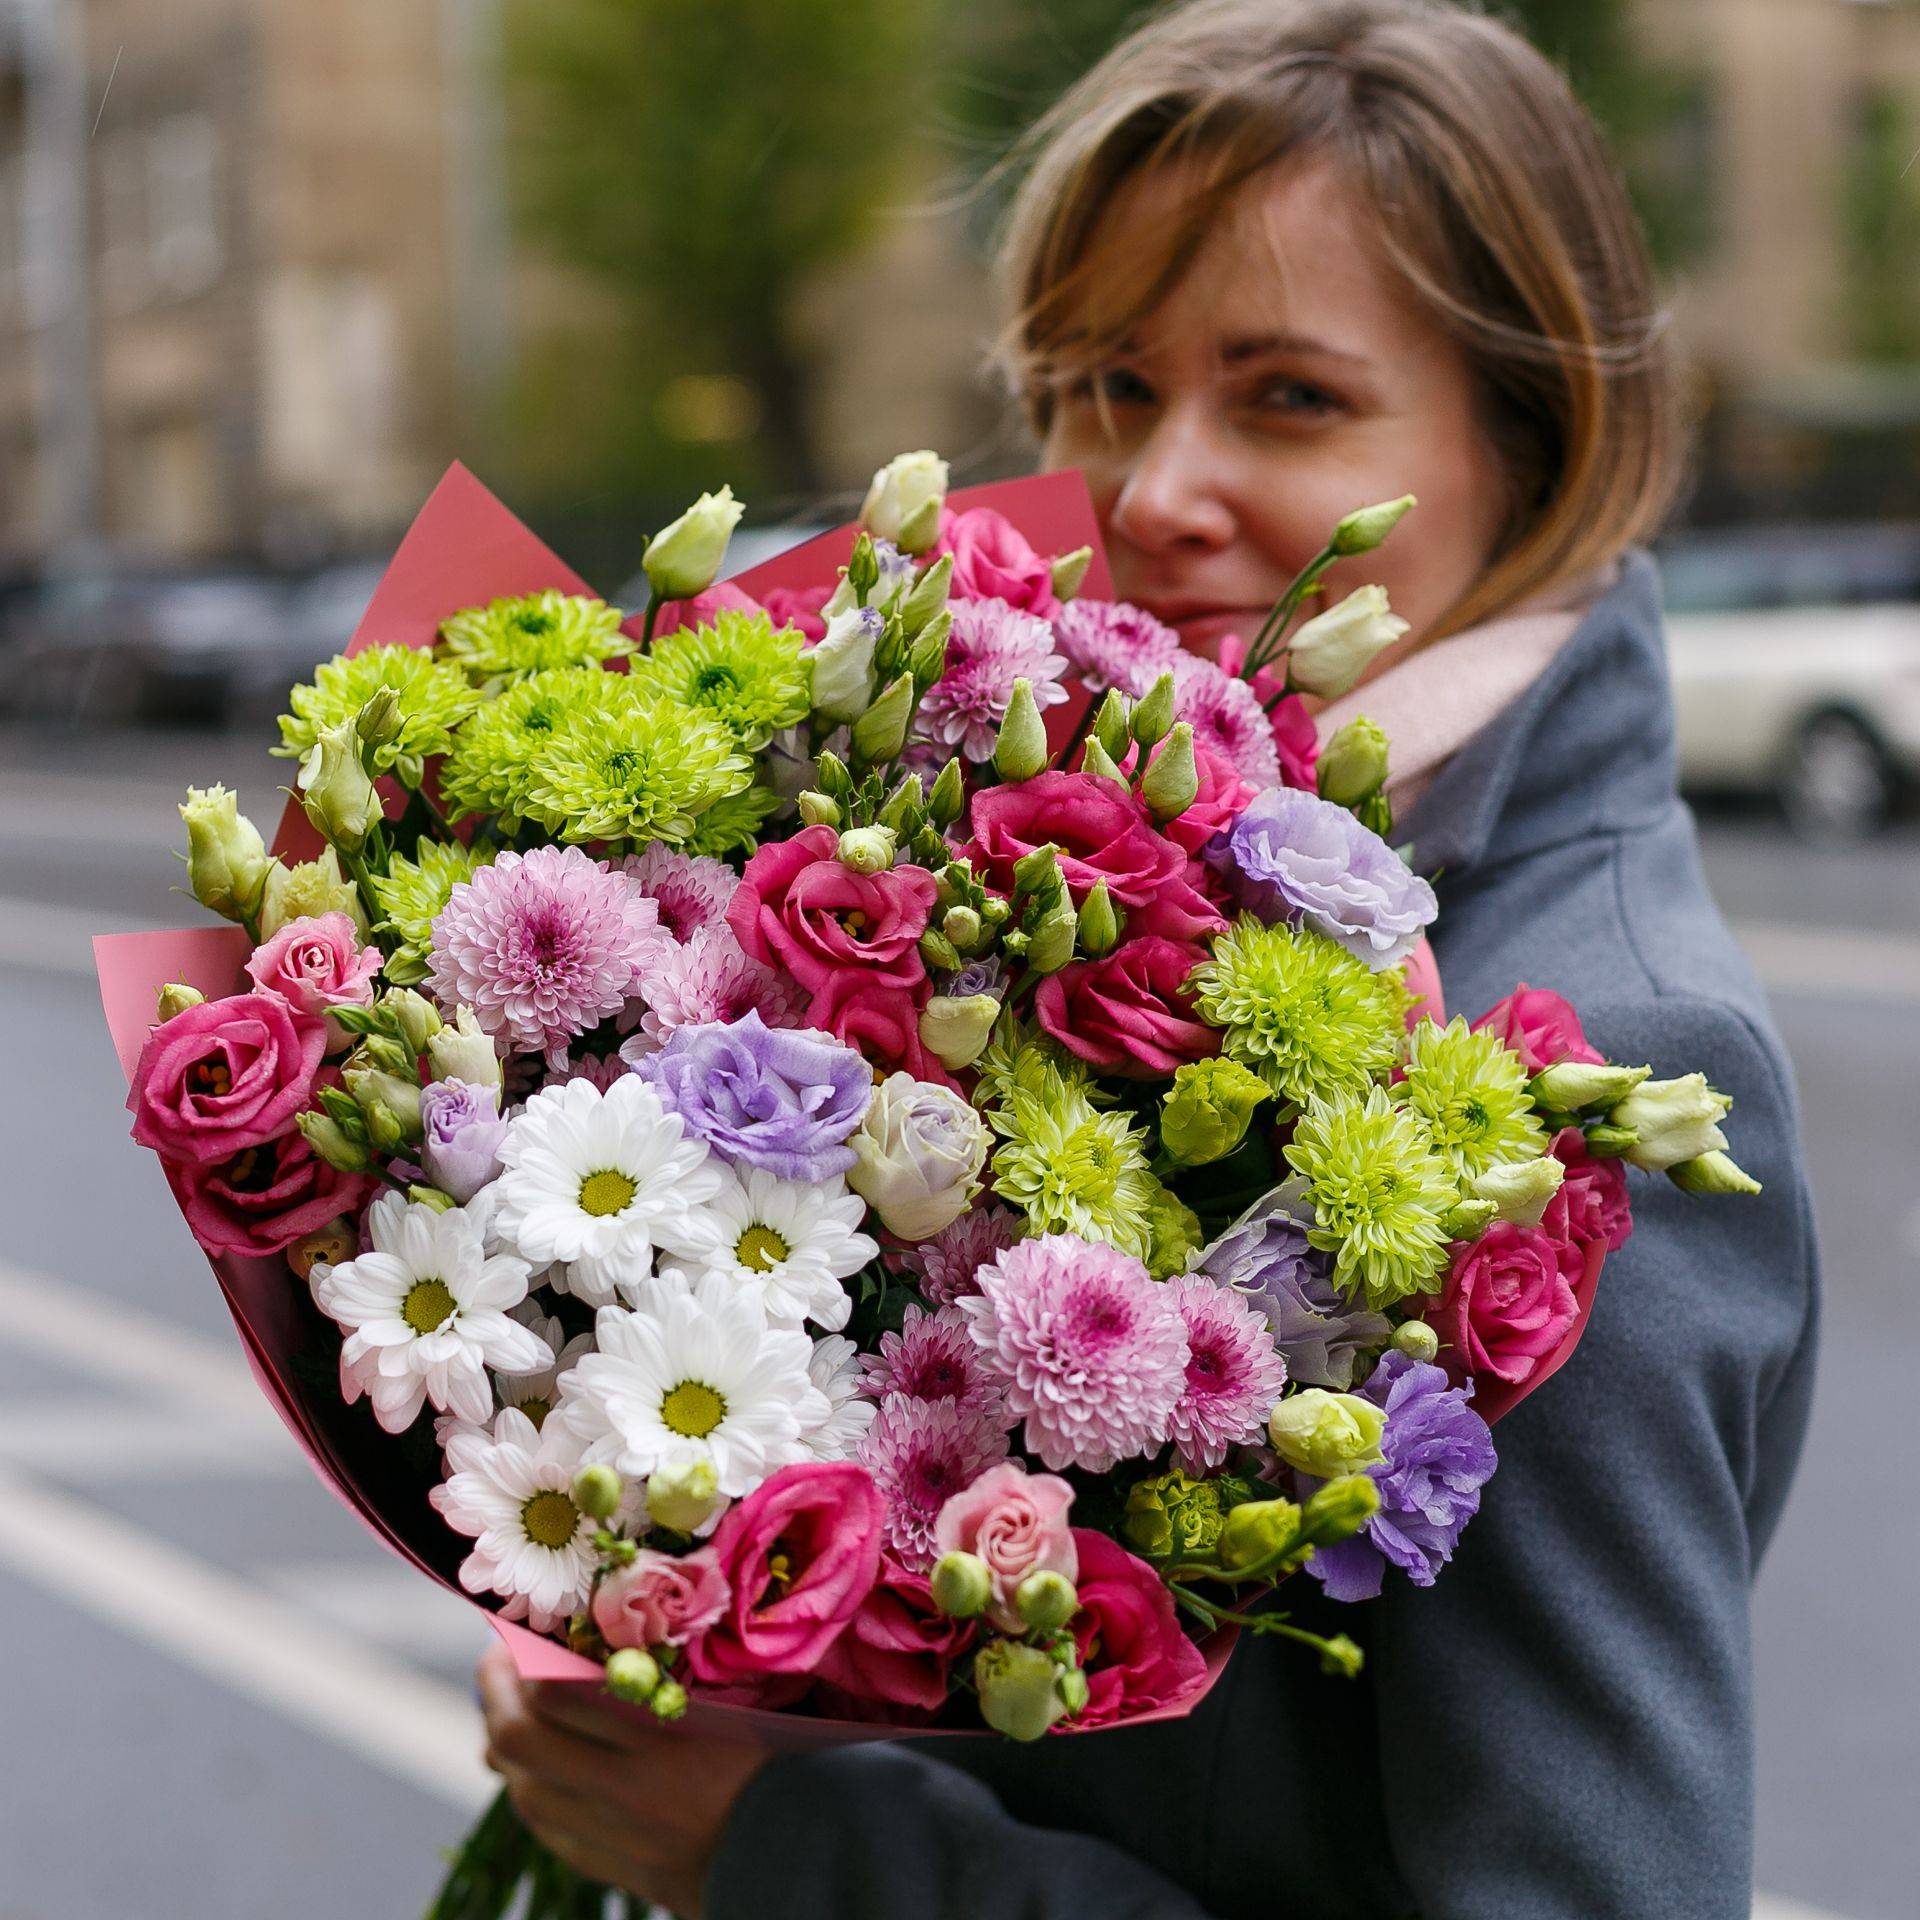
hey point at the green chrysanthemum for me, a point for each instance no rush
(733, 825)
(1380, 1195)
(411, 893)
(507, 640)
(749, 677)
(434, 699)
(1300, 1010)
(488, 766)
(1471, 1092)
(1174, 1233)
(636, 772)
(1072, 1169)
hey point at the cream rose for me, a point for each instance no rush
(918, 1155)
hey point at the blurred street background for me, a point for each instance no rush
(265, 269)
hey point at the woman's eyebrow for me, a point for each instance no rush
(1237, 352)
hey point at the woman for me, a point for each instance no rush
(1272, 261)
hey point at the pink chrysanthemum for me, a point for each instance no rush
(708, 979)
(932, 1357)
(1089, 1350)
(602, 1069)
(947, 1266)
(1233, 1377)
(921, 1453)
(991, 646)
(542, 946)
(1114, 644)
(1227, 716)
(691, 890)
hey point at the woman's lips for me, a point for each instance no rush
(1202, 633)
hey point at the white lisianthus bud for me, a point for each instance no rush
(1326, 1434)
(1416, 1340)
(900, 495)
(227, 861)
(954, 1027)
(962, 1584)
(1673, 1120)
(1712, 1173)
(1330, 653)
(305, 891)
(336, 791)
(175, 998)
(461, 1051)
(684, 558)
(1017, 1692)
(1363, 530)
(1521, 1189)
(843, 666)
(868, 849)
(683, 1494)
(917, 1156)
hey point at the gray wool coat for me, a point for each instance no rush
(1562, 1725)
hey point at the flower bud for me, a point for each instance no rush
(332, 1143)
(1208, 1111)
(947, 796)
(954, 1027)
(1341, 1657)
(1096, 760)
(336, 790)
(633, 1675)
(1333, 649)
(683, 1495)
(1326, 1434)
(176, 997)
(435, 1199)
(961, 1584)
(685, 556)
(1018, 1696)
(1173, 778)
(378, 723)
(1153, 713)
(816, 810)
(900, 496)
(1417, 1340)
(597, 1492)
(305, 891)
(415, 1016)
(227, 861)
(1520, 1189)
(1571, 1086)
(1070, 572)
(881, 731)
(928, 660)
(1073, 1690)
(376, 1092)
(461, 1051)
(1099, 922)
(939, 952)
(1050, 946)
(1712, 1173)
(1468, 1219)
(1036, 875)
(1340, 1509)
(1364, 529)
(1021, 750)
(842, 667)
(928, 596)
(1111, 722)
(1046, 1600)
(1353, 763)
(868, 849)
(1257, 1533)
(1611, 1143)
(669, 1700)
(963, 926)
(1673, 1120)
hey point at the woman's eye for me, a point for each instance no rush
(1297, 397)
(1120, 387)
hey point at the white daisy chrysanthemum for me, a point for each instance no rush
(696, 1374)
(537, 1391)
(835, 1367)
(595, 1182)
(786, 1244)
(509, 1488)
(425, 1308)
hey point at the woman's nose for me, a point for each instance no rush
(1172, 494)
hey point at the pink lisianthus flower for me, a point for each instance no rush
(1016, 1522)
(224, 1076)
(1541, 1027)
(897, 1652)
(1592, 1207)
(800, 1553)
(661, 1599)
(880, 1022)
(799, 607)
(1131, 1647)
(1219, 800)
(1508, 1303)
(800, 908)
(1295, 739)
(722, 597)
(1128, 1013)
(992, 560)
(264, 1198)
(315, 964)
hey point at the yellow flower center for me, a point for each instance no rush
(606, 1192)
(692, 1410)
(429, 1305)
(550, 1519)
(760, 1248)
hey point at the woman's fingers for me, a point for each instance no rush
(593, 1714)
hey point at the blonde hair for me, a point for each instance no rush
(1496, 203)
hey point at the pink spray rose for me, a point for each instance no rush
(1508, 1304)
(1540, 1027)
(993, 561)
(1128, 1013)
(264, 1198)
(1102, 833)
(800, 1553)
(1294, 737)
(1219, 800)
(661, 1600)
(224, 1076)
(1016, 1522)
(897, 1650)
(1135, 1656)
(316, 964)
(798, 907)
(1592, 1206)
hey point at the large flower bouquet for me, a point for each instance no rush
(878, 1144)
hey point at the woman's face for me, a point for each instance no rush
(1285, 381)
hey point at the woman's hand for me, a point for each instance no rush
(620, 1798)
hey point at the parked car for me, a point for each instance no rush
(317, 620)
(1795, 654)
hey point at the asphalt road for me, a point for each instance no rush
(221, 1699)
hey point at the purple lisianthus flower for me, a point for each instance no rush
(1295, 857)
(977, 977)
(1267, 1258)
(462, 1128)
(1436, 1456)
(764, 1096)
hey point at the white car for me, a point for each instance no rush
(1795, 655)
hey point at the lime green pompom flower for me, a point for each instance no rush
(1172, 1516)
(1207, 1113)
(411, 893)
(1470, 1090)
(490, 763)
(739, 670)
(510, 639)
(433, 700)
(733, 825)
(1072, 1169)
(1174, 1233)
(1380, 1195)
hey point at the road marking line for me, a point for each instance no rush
(417, 1729)
(96, 1440)
(391, 1606)
(1774, 1906)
